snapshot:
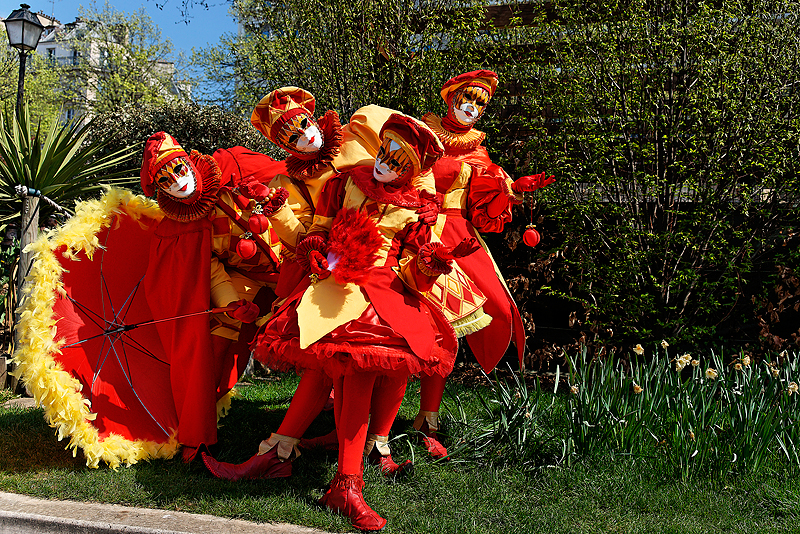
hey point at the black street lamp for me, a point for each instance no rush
(24, 30)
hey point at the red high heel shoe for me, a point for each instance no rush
(266, 465)
(345, 497)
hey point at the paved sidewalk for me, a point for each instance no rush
(20, 514)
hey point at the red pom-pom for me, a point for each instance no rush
(246, 248)
(531, 237)
(354, 240)
(258, 223)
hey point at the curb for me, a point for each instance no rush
(20, 514)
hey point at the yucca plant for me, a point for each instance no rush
(61, 162)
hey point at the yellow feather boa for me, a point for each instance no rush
(51, 386)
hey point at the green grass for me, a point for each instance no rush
(606, 493)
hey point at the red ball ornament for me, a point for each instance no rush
(258, 224)
(246, 248)
(531, 237)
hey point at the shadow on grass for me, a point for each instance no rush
(27, 443)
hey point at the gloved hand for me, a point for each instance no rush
(437, 258)
(310, 253)
(447, 254)
(246, 311)
(318, 264)
(429, 211)
(532, 183)
(250, 187)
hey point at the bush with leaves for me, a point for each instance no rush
(673, 131)
(195, 127)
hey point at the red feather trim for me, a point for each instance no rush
(354, 240)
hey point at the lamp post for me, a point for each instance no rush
(24, 30)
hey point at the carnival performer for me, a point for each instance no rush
(318, 150)
(478, 196)
(355, 318)
(212, 249)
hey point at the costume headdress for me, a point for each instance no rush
(416, 139)
(278, 107)
(481, 78)
(160, 149)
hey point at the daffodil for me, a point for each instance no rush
(637, 388)
(638, 349)
(695, 363)
(574, 390)
(738, 366)
(711, 373)
(746, 361)
(775, 372)
(664, 344)
(792, 388)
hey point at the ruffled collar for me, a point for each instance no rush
(467, 139)
(306, 166)
(405, 196)
(209, 174)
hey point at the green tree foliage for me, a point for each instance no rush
(195, 127)
(122, 59)
(673, 129)
(41, 82)
(348, 53)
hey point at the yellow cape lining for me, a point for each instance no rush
(53, 388)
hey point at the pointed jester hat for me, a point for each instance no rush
(278, 107)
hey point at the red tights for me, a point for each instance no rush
(431, 392)
(387, 396)
(308, 400)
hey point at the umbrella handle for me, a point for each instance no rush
(228, 308)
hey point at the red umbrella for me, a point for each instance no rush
(90, 353)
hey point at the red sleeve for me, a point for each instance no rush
(331, 197)
(238, 162)
(489, 199)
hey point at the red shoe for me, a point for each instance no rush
(435, 448)
(266, 465)
(345, 497)
(188, 453)
(390, 468)
(427, 424)
(329, 442)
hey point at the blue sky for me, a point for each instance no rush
(204, 28)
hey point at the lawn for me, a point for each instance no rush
(482, 489)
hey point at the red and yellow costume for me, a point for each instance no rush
(195, 264)
(343, 148)
(361, 326)
(477, 196)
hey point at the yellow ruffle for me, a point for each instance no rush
(471, 323)
(52, 387)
